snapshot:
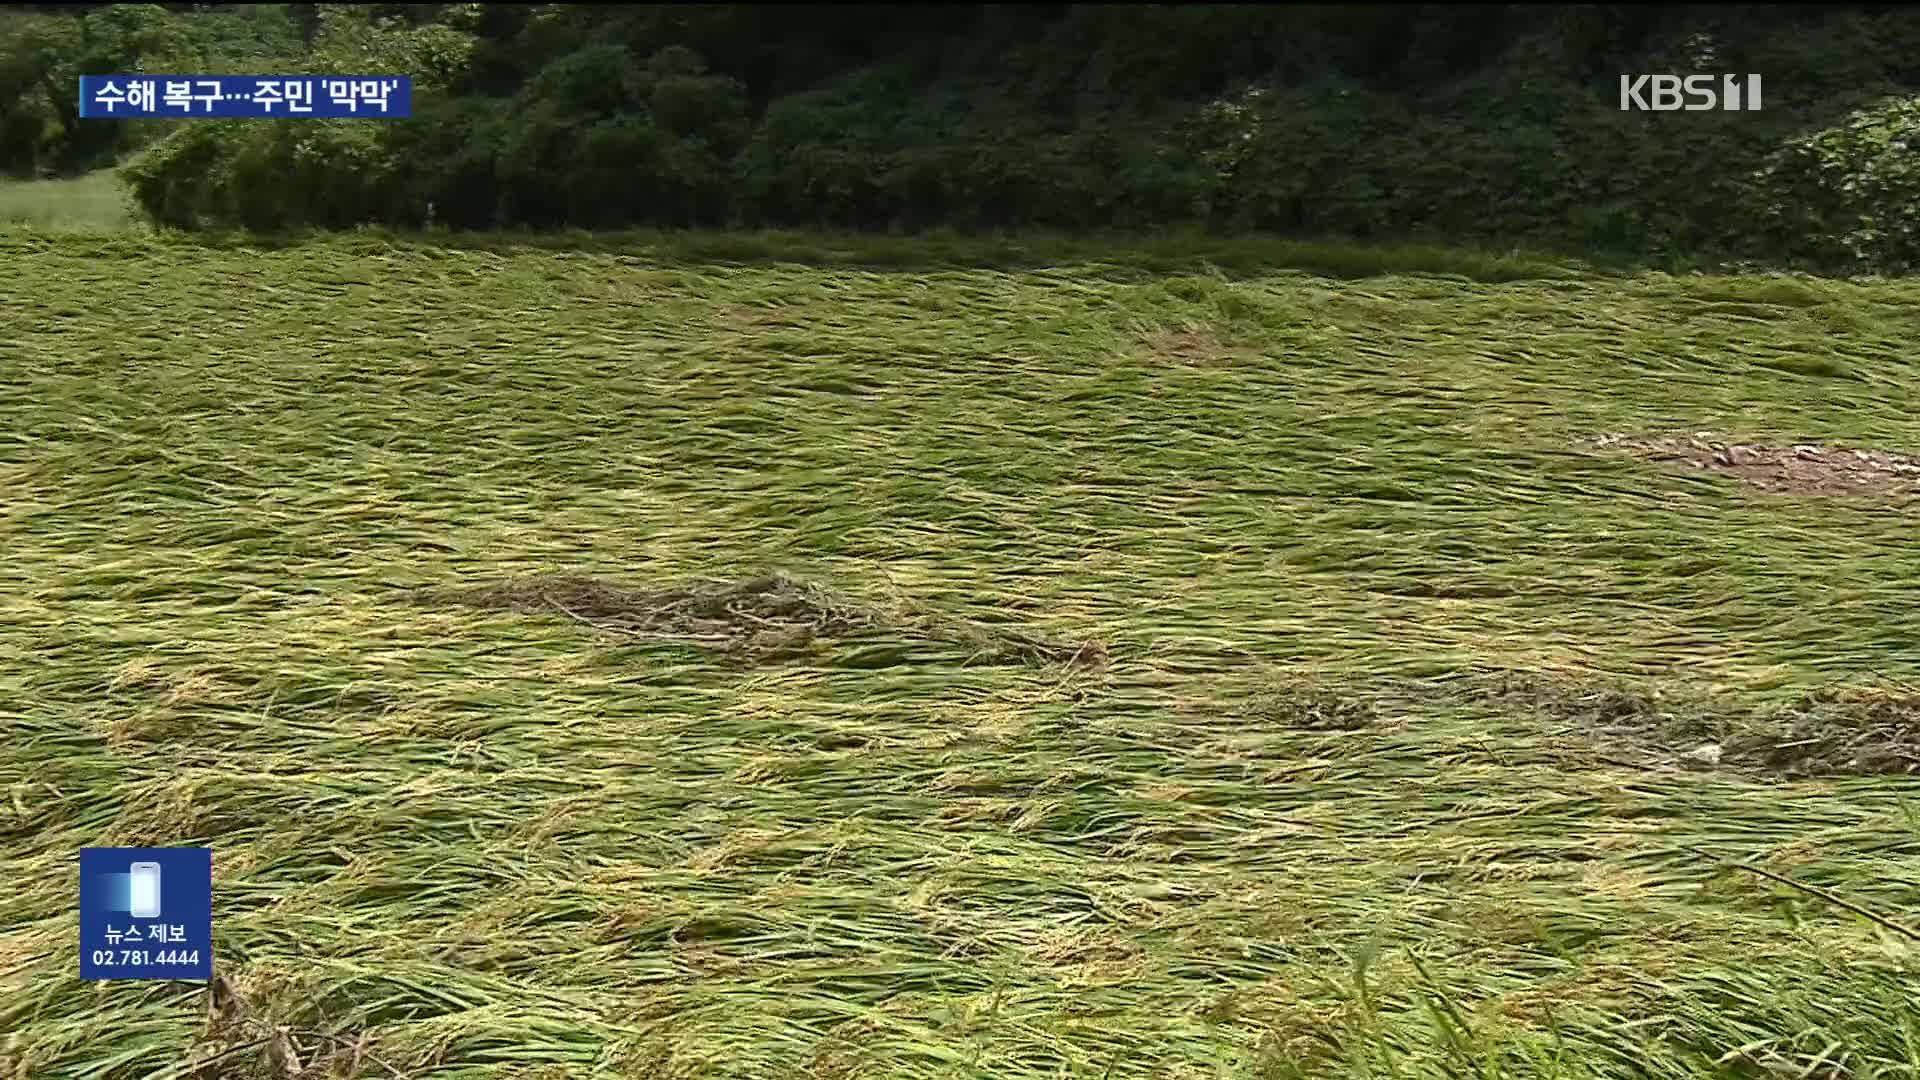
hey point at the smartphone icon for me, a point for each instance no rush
(143, 893)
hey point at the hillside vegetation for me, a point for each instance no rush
(589, 663)
(1489, 124)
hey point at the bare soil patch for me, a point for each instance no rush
(1803, 469)
(757, 619)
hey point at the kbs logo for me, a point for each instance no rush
(1695, 93)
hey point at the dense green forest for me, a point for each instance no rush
(1485, 124)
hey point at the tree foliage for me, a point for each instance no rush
(1484, 122)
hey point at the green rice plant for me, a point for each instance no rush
(1394, 762)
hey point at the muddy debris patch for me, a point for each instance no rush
(1195, 348)
(1801, 469)
(241, 1038)
(1843, 731)
(757, 620)
(1311, 708)
(1856, 731)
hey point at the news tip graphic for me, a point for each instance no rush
(135, 97)
(146, 913)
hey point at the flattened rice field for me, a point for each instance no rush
(586, 663)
